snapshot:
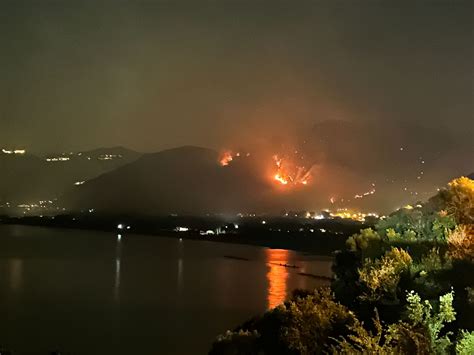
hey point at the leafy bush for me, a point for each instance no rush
(459, 199)
(461, 243)
(381, 277)
(303, 325)
(465, 343)
(363, 240)
(420, 333)
(235, 343)
(398, 338)
(415, 224)
(421, 313)
(428, 249)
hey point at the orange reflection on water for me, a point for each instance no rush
(277, 276)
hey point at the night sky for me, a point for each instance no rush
(151, 75)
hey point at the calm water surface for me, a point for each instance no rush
(86, 292)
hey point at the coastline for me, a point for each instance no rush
(315, 242)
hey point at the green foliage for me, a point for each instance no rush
(421, 313)
(382, 276)
(459, 199)
(398, 338)
(401, 220)
(461, 243)
(346, 277)
(431, 262)
(470, 294)
(303, 325)
(368, 243)
(419, 334)
(465, 343)
(313, 317)
(363, 239)
(428, 249)
(414, 224)
(235, 343)
(362, 341)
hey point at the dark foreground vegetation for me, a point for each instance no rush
(405, 286)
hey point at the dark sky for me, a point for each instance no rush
(156, 74)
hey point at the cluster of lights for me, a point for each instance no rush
(109, 156)
(57, 159)
(68, 156)
(122, 226)
(365, 194)
(355, 216)
(15, 151)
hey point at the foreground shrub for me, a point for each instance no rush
(465, 343)
(399, 338)
(303, 325)
(365, 241)
(461, 243)
(419, 333)
(428, 248)
(381, 277)
(235, 343)
(459, 199)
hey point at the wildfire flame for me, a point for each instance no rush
(226, 158)
(281, 179)
(287, 174)
(284, 171)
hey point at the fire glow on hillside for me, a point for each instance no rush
(284, 171)
(287, 173)
(226, 158)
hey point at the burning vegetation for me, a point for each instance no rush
(284, 170)
(290, 173)
(226, 158)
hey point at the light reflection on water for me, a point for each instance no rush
(277, 276)
(16, 274)
(118, 252)
(140, 287)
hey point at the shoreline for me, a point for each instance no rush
(295, 238)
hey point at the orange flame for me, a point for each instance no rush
(226, 158)
(281, 179)
(288, 174)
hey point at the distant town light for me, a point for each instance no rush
(208, 232)
(15, 151)
(56, 159)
